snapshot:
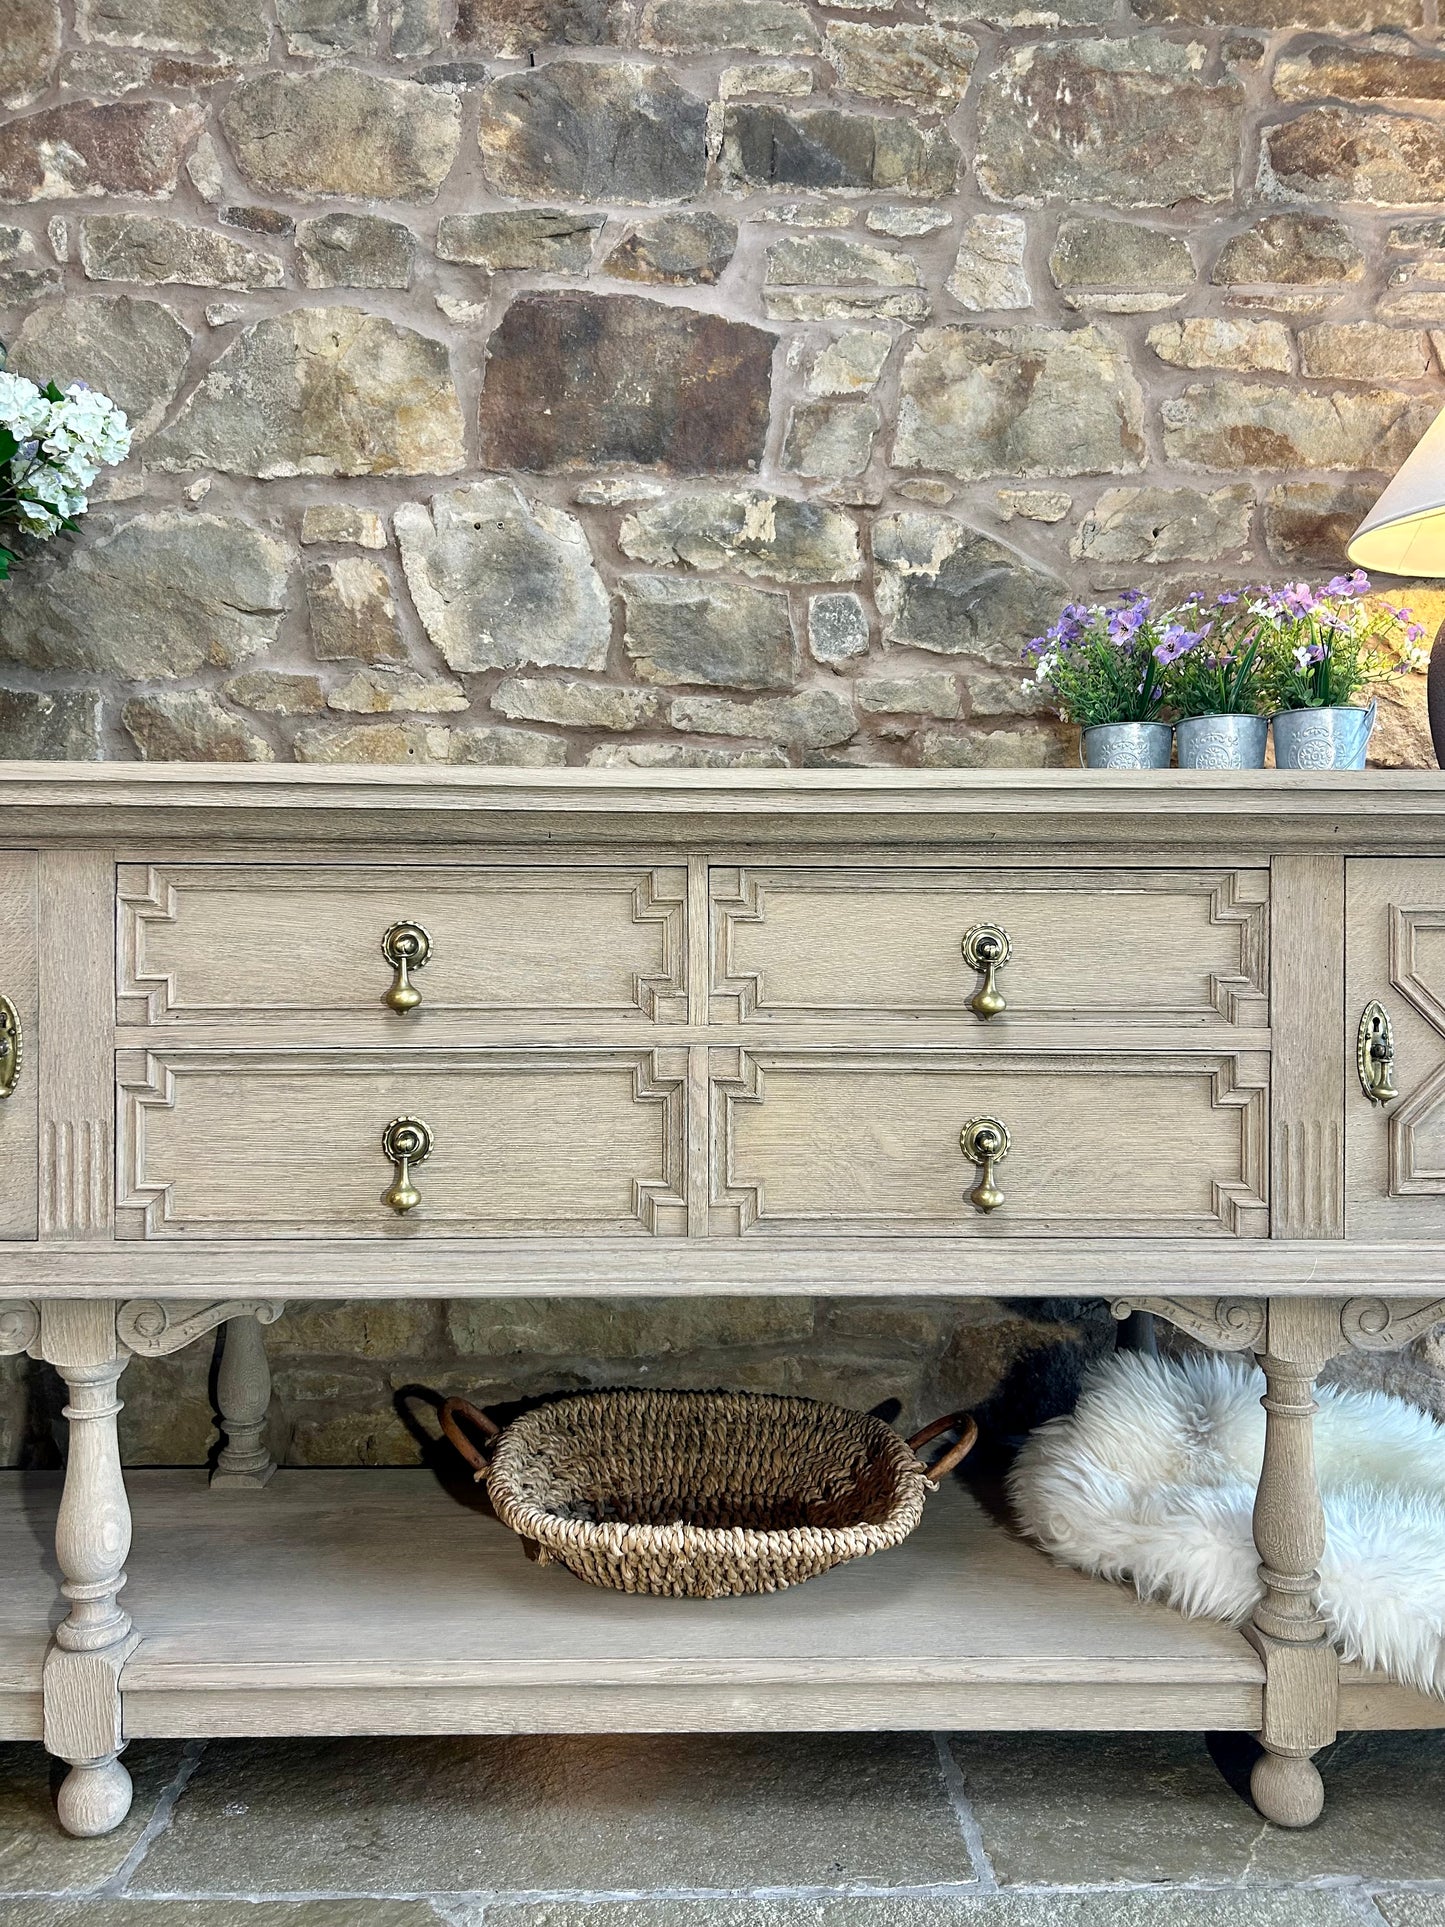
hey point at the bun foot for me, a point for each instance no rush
(94, 1799)
(1287, 1790)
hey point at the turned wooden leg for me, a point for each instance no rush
(1301, 1667)
(243, 1394)
(92, 1540)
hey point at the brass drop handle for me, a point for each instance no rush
(406, 947)
(12, 1045)
(984, 1141)
(406, 1141)
(1375, 1055)
(986, 948)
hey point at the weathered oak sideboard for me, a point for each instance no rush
(1174, 1039)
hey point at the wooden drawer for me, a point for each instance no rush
(274, 1144)
(220, 943)
(1159, 1144)
(1131, 946)
(20, 1111)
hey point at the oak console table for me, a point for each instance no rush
(279, 1034)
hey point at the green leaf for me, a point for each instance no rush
(53, 393)
(7, 556)
(9, 446)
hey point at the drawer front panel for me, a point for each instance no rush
(220, 943)
(273, 1144)
(1164, 947)
(20, 1112)
(1145, 1144)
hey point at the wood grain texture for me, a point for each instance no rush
(1307, 922)
(19, 981)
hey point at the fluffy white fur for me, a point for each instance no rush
(1151, 1481)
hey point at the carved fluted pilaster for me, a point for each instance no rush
(154, 1327)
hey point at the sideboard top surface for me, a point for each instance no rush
(381, 808)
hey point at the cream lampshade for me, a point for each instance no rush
(1404, 534)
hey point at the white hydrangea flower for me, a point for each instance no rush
(23, 409)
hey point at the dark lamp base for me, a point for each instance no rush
(1435, 695)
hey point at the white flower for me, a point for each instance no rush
(23, 409)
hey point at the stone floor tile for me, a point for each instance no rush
(542, 1815)
(1094, 1808)
(35, 1856)
(1166, 1907)
(148, 1912)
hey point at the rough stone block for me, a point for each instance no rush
(498, 747)
(1207, 341)
(328, 27)
(837, 627)
(384, 692)
(507, 27)
(1352, 16)
(593, 131)
(574, 704)
(389, 742)
(151, 249)
(851, 363)
(25, 274)
(351, 610)
(845, 304)
(810, 719)
(1019, 401)
(683, 756)
(343, 522)
(932, 692)
(1340, 154)
(925, 68)
(1327, 69)
(499, 581)
(1165, 525)
(160, 595)
(992, 749)
(132, 350)
(190, 726)
(823, 147)
(354, 251)
(943, 586)
(1238, 425)
(536, 237)
(1307, 524)
(1119, 266)
(274, 692)
(1133, 121)
(234, 29)
(32, 47)
(53, 726)
(721, 633)
(989, 270)
(338, 130)
(1364, 351)
(676, 249)
(627, 380)
(718, 26)
(747, 530)
(828, 440)
(130, 147)
(1293, 250)
(321, 391)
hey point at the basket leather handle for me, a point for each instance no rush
(955, 1455)
(448, 1414)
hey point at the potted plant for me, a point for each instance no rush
(1211, 680)
(1319, 651)
(1100, 665)
(53, 443)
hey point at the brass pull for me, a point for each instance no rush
(1375, 1055)
(406, 1141)
(984, 1141)
(12, 1046)
(406, 947)
(986, 948)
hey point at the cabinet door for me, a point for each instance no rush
(1395, 954)
(19, 1112)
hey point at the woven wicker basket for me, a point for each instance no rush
(699, 1495)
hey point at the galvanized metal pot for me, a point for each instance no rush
(1322, 738)
(1222, 742)
(1127, 746)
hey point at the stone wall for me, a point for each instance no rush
(684, 381)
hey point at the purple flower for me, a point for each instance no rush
(1176, 641)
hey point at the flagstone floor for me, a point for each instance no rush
(851, 1830)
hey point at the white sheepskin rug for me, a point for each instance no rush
(1151, 1481)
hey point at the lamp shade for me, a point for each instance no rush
(1404, 533)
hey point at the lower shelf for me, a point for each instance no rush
(380, 1602)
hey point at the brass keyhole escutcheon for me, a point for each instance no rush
(406, 1141)
(1375, 1055)
(406, 947)
(986, 949)
(984, 1141)
(12, 1046)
